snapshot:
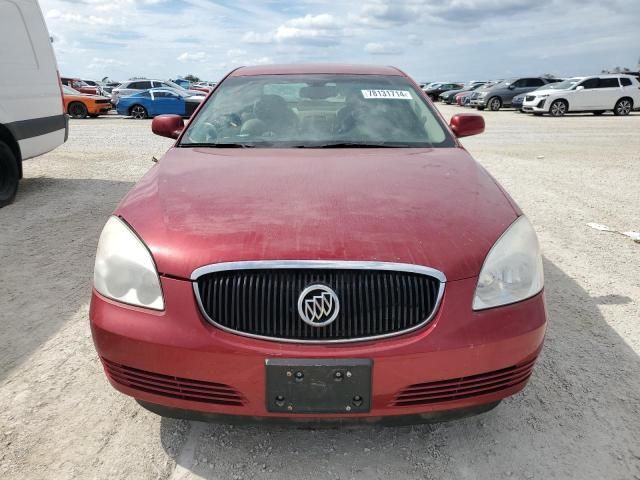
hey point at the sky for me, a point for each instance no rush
(431, 40)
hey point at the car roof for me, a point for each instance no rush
(613, 75)
(327, 68)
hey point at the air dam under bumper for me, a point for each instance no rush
(176, 359)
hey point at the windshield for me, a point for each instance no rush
(500, 84)
(180, 93)
(565, 85)
(70, 91)
(316, 111)
(173, 85)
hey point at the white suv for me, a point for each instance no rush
(598, 94)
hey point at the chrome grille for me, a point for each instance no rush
(376, 300)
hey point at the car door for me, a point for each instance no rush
(584, 96)
(166, 102)
(137, 86)
(516, 88)
(532, 84)
(607, 93)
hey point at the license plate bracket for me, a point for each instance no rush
(318, 385)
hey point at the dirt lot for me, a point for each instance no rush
(579, 417)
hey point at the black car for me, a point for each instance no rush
(435, 89)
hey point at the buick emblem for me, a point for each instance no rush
(318, 305)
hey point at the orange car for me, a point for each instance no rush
(81, 105)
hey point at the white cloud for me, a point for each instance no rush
(81, 19)
(192, 57)
(316, 29)
(209, 37)
(98, 63)
(383, 48)
(236, 52)
(257, 38)
(323, 21)
(414, 39)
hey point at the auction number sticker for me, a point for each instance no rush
(388, 94)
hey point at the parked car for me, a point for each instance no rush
(186, 84)
(449, 96)
(203, 86)
(500, 95)
(32, 120)
(518, 100)
(99, 86)
(108, 87)
(80, 85)
(597, 94)
(246, 276)
(82, 105)
(158, 101)
(134, 86)
(463, 98)
(434, 91)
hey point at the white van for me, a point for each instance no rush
(32, 118)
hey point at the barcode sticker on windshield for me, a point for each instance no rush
(389, 94)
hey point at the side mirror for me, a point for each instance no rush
(511, 87)
(580, 87)
(169, 126)
(466, 124)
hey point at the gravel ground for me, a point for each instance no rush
(578, 418)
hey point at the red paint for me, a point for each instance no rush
(178, 341)
(431, 207)
(167, 125)
(466, 124)
(437, 208)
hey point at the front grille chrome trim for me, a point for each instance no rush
(319, 264)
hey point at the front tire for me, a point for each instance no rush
(138, 112)
(558, 108)
(77, 110)
(623, 107)
(494, 104)
(9, 175)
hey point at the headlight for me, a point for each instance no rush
(512, 270)
(482, 94)
(124, 269)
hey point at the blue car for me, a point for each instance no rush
(158, 101)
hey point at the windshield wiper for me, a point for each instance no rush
(219, 145)
(359, 145)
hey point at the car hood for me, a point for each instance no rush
(431, 207)
(547, 91)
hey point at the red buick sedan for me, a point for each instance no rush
(318, 246)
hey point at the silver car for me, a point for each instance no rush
(501, 94)
(134, 86)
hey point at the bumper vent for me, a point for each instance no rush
(465, 387)
(372, 303)
(174, 387)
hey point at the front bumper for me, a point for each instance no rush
(175, 359)
(535, 106)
